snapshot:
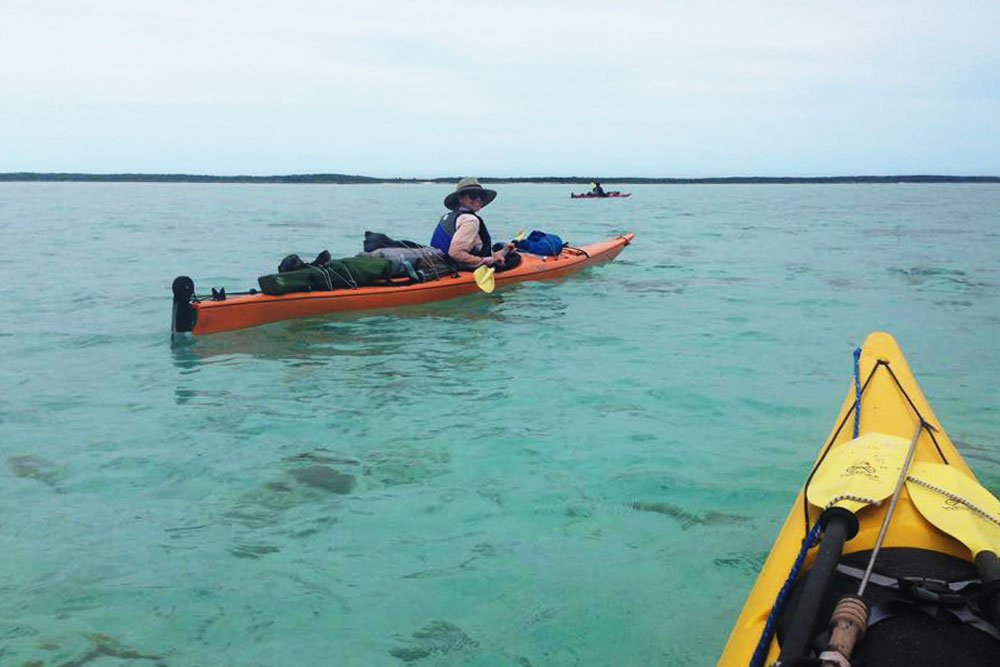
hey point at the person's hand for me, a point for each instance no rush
(508, 247)
(498, 257)
(488, 261)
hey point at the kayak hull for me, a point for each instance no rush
(590, 195)
(890, 403)
(206, 315)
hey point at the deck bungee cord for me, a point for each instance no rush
(857, 391)
(771, 624)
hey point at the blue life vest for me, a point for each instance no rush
(445, 230)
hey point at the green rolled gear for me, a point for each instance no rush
(347, 273)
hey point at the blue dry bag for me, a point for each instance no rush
(540, 243)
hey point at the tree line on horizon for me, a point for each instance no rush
(348, 179)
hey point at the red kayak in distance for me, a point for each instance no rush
(591, 195)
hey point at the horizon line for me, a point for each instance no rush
(338, 178)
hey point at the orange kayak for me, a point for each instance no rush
(212, 314)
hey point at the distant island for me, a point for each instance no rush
(347, 179)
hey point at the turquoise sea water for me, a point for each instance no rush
(586, 472)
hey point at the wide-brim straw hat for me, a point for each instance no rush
(468, 185)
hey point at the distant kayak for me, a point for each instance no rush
(591, 195)
(221, 312)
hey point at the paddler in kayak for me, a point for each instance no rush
(597, 190)
(461, 233)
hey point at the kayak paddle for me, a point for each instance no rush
(858, 473)
(957, 505)
(484, 278)
(484, 274)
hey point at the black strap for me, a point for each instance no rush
(898, 606)
(922, 586)
(934, 597)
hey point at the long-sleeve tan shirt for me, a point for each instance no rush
(465, 242)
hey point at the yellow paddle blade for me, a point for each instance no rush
(484, 278)
(519, 235)
(956, 504)
(860, 472)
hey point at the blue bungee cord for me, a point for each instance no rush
(760, 652)
(857, 391)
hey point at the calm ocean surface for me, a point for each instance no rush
(586, 472)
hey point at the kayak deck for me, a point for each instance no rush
(891, 403)
(206, 315)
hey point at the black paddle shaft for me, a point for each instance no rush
(838, 529)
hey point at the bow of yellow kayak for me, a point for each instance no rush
(893, 407)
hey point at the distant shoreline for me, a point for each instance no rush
(347, 179)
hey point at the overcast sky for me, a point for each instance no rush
(501, 88)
